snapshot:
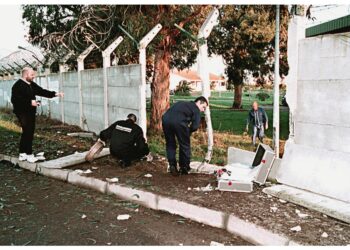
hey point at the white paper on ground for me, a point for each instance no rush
(123, 217)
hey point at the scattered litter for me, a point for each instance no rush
(296, 229)
(115, 179)
(181, 244)
(109, 243)
(324, 235)
(79, 171)
(94, 168)
(60, 152)
(83, 216)
(204, 189)
(136, 210)
(123, 217)
(269, 196)
(58, 132)
(40, 154)
(325, 216)
(301, 215)
(273, 209)
(282, 201)
(189, 188)
(148, 175)
(214, 243)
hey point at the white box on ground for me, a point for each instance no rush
(235, 185)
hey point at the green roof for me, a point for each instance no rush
(338, 25)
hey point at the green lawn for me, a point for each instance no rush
(225, 119)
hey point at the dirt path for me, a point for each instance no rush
(254, 207)
(36, 210)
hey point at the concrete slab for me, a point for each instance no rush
(317, 170)
(87, 182)
(70, 160)
(27, 165)
(237, 155)
(58, 174)
(331, 207)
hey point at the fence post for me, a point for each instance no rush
(62, 69)
(80, 61)
(106, 54)
(142, 60)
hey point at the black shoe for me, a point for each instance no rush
(173, 170)
(185, 170)
(124, 163)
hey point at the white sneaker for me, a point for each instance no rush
(31, 159)
(22, 157)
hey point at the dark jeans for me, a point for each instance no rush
(27, 122)
(182, 134)
(131, 154)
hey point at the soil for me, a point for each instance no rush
(36, 210)
(253, 207)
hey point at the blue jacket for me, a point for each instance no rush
(185, 114)
(257, 118)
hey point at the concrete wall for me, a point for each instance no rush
(319, 157)
(123, 95)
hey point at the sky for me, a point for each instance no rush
(14, 31)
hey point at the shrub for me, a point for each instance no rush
(262, 96)
(184, 88)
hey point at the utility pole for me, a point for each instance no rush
(276, 96)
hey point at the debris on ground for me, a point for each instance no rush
(324, 235)
(273, 209)
(112, 180)
(94, 168)
(189, 188)
(214, 243)
(282, 201)
(123, 217)
(148, 175)
(83, 216)
(296, 229)
(301, 215)
(207, 188)
(79, 171)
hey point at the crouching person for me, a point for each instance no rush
(126, 141)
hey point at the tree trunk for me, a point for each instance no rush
(160, 89)
(237, 103)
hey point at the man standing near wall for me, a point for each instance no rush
(23, 98)
(258, 118)
(180, 121)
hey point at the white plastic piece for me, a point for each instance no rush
(148, 175)
(296, 229)
(123, 217)
(324, 235)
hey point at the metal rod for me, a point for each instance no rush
(276, 96)
(129, 35)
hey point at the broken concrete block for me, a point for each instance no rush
(70, 160)
(326, 205)
(58, 174)
(87, 182)
(27, 165)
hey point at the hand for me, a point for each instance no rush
(35, 103)
(266, 126)
(59, 94)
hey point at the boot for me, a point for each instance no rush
(173, 170)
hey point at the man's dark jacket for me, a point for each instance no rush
(185, 114)
(23, 94)
(124, 136)
(257, 118)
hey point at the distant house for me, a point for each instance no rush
(218, 83)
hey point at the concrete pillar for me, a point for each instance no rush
(296, 32)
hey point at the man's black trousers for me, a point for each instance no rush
(134, 153)
(182, 134)
(27, 122)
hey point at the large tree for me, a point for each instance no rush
(99, 24)
(245, 39)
